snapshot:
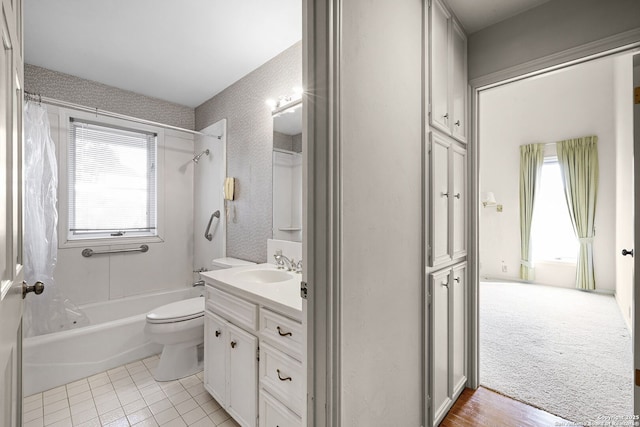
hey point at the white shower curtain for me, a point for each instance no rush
(49, 312)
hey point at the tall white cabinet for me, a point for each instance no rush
(446, 212)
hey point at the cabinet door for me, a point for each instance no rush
(458, 327)
(215, 353)
(440, 392)
(243, 376)
(439, 63)
(458, 201)
(439, 201)
(459, 84)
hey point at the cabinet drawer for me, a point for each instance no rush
(284, 333)
(275, 414)
(282, 376)
(232, 308)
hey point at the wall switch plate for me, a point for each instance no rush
(499, 208)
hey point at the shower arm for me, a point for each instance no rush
(207, 234)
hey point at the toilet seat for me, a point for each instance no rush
(179, 311)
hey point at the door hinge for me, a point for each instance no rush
(258, 353)
(429, 3)
(303, 290)
(638, 377)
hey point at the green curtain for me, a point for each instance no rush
(531, 159)
(578, 159)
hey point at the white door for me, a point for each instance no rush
(458, 327)
(439, 187)
(440, 283)
(215, 341)
(439, 65)
(11, 214)
(459, 84)
(636, 222)
(458, 201)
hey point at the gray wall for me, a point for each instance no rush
(69, 88)
(553, 27)
(381, 220)
(249, 147)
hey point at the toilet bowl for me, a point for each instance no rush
(179, 327)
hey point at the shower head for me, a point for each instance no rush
(196, 159)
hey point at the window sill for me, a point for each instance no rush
(78, 243)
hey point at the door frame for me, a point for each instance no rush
(624, 42)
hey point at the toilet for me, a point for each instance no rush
(179, 327)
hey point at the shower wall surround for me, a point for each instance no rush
(69, 88)
(249, 147)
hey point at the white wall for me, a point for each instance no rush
(381, 220)
(167, 264)
(623, 87)
(566, 104)
(209, 176)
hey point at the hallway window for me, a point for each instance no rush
(552, 233)
(111, 181)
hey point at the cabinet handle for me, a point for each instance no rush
(443, 194)
(457, 196)
(446, 115)
(445, 284)
(233, 344)
(283, 379)
(457, 279)
(218, 333)
(457, 123)
(285, 334)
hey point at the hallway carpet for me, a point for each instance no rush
(565, 351)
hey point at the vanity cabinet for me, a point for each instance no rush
(253, 360)
(448, 72)
(447, 178)
(447, 325)
(231, 368)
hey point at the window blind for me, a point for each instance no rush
(112, 181)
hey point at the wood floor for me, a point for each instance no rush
(486, 408)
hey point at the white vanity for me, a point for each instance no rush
(254, 344)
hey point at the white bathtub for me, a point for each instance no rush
(114, 337)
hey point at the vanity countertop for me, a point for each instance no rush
(283, 296)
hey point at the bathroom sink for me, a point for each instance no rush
(263, 276)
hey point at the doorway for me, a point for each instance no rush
(530, 335)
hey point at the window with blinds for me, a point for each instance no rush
(111, 181)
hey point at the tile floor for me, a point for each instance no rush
(126, 396)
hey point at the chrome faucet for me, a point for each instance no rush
(282, 260)
(198, 283)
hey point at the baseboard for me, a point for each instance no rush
(527, 282)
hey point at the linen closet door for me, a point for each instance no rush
(440, 201)
(439, 330)
(459, 201)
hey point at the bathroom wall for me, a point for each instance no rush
(69, 88)
(566, 104)
(249, 148)
(167, 264)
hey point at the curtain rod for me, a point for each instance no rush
(55, 102)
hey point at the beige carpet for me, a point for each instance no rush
(562, 350)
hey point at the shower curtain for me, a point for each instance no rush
(50, 311)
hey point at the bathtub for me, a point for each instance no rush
(115, 336)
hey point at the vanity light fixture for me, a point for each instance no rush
(490, 201)
(286, 102)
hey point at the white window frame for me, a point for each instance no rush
(65, 115)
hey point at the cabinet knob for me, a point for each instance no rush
(457, 123)
(283, 334)
(457, 196)
(218, 333)
(443, 194)
(457, 279)
(233, 344)
(446, 115)
(281, 378)
(445, 284)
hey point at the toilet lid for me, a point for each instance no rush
(177, 311)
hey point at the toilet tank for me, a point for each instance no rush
(220, 263)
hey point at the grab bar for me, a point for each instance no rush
(208, 235)
(89, 252)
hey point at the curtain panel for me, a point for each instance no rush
(531, 159)
(578, 159)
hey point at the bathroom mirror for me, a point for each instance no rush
(287, 172)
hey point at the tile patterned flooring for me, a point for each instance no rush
(126, 396)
